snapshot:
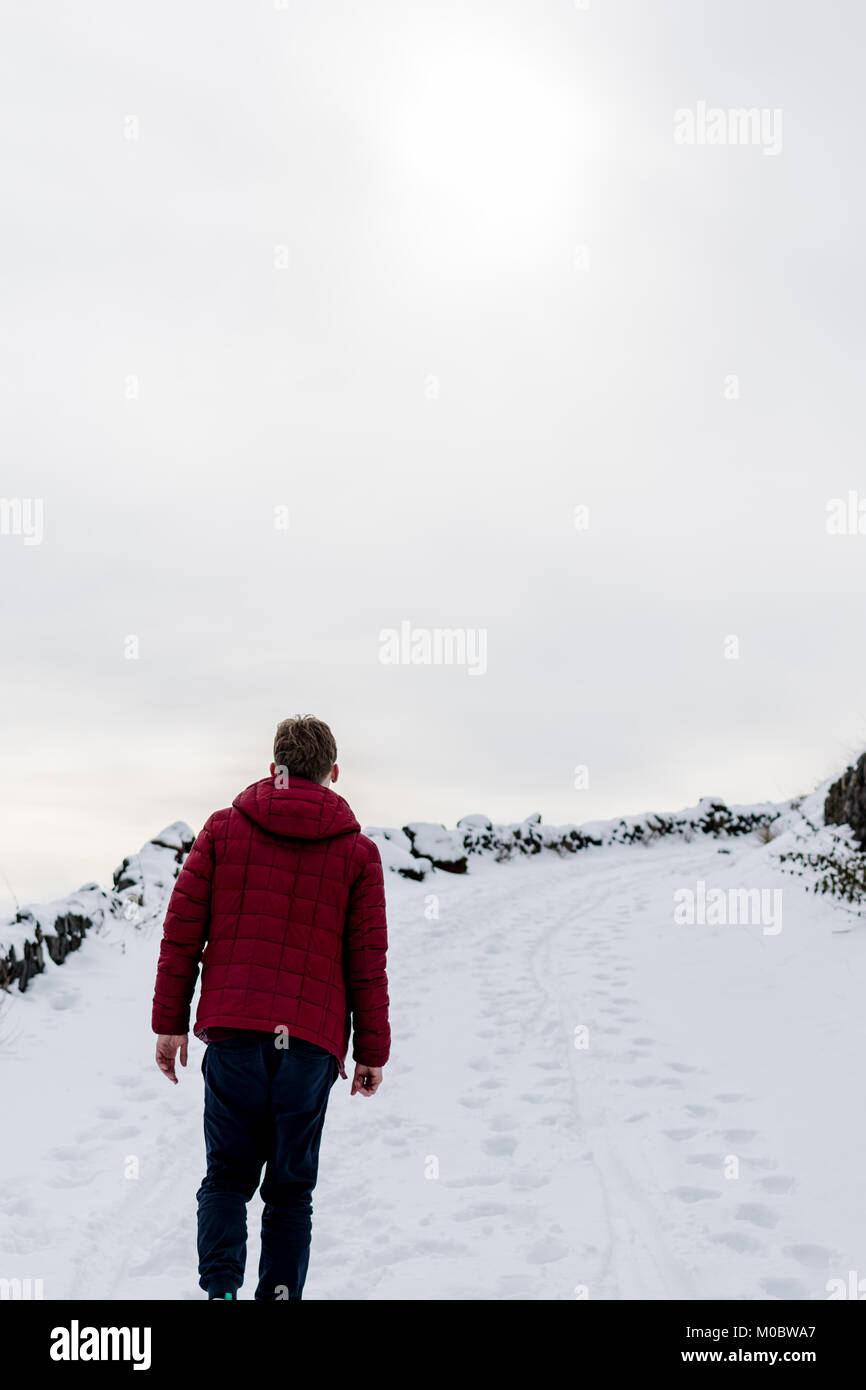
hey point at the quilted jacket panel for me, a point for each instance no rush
(281, 901)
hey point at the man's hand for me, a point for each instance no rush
(166, 1047)
(366, 1080)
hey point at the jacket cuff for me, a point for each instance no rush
(370, 1056)
(170, 1026)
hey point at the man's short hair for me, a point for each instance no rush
(305, 747)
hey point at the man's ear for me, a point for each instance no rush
(273, 769)
(335, 772)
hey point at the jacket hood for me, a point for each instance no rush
(301, 811)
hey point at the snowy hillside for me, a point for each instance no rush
(588, 1096)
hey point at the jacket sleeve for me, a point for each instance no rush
(365, 949)
(183, 936)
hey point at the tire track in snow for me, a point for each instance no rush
(637, 1261)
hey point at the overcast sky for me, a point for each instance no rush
(422, 277)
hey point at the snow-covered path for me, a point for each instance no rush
(707, 1141)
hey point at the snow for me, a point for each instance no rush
(706, 1141)
(395, 849)
(143, 879)
(437, 844)
(176, 836)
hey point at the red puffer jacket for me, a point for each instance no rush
(285, 900)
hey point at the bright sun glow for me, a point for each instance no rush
(492, 146)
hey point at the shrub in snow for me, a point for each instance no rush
(711, 816)
(830, 860)
(479, 836)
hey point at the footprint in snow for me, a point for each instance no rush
(67, 999)
(481, 1209)
(71, 1180)
(679, 1136)
(65, 1153)
(739, 1136)
(528, 1180)
(694, 1194)
(482, 1180)
(503, 1146)
(784, 1288)
(757, 1214)
(739, 1241)
(813, 1256)
(546, 1251)
(778, 1183)
(442, 1247)
(390, 1255)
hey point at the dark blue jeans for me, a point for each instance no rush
(264, 1106)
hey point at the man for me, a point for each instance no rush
(283, 899)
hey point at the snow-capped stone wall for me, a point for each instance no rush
(46, 932)
(142, 884)
(421, 845)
